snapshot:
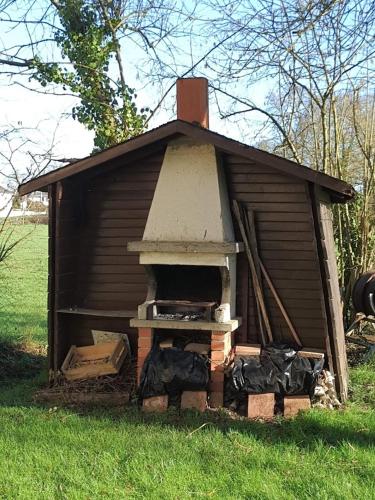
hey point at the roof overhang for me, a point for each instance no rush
(339, 191)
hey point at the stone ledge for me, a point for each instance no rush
(185, 246)
(228, 326)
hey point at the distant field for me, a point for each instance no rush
(56, 453)
(23, 282)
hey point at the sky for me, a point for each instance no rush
(47, 118)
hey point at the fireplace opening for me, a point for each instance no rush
(188, 283)
(183, 292)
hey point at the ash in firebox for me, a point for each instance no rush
(180, 316)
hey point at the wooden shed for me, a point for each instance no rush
(100, 204)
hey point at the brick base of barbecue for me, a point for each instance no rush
(294, 404)
(194, 400)
(261, 406)
(145, 339)
(156, 404)
(221, 345)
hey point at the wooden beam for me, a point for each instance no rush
(257, 287)
(185, 246)
(280, 304)
(251, 231)
(51, 277)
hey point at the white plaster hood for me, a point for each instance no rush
(189, 220)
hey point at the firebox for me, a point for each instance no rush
(188, 247)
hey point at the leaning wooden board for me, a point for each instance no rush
(94, 360)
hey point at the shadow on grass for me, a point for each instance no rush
(307, 431)
(21, 360)
(23, 371)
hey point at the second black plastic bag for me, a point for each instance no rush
(171, 371)
(277, 370)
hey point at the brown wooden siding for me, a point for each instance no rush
(287, 246)
(66, 195)
(117, 206)
(98, 217)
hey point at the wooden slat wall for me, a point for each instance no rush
(287, 246)
(117, 206)
(101, 216)
(65, 259)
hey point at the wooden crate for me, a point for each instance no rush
(94, 360)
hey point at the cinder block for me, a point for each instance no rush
(156, 404)
(196, 400)
(294, 404)
(261, 405)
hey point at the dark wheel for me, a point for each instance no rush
(358, 294)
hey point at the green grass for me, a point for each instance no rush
(23, 282)
(66, 454)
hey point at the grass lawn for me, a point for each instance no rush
(49, 453)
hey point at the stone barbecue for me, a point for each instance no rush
(188, 248)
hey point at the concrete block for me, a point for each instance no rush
(194, 400)
(261, 406)
(294, 404)
(156, 404)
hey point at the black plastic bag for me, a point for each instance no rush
(277, 370)
(171, 371)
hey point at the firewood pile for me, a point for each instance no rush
(325, 393)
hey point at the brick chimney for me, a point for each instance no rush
(192, 100)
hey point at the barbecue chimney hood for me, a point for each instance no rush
(189, 222)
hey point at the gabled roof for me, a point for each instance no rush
(339, 190)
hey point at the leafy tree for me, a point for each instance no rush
(98, 40)
(88, 39)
